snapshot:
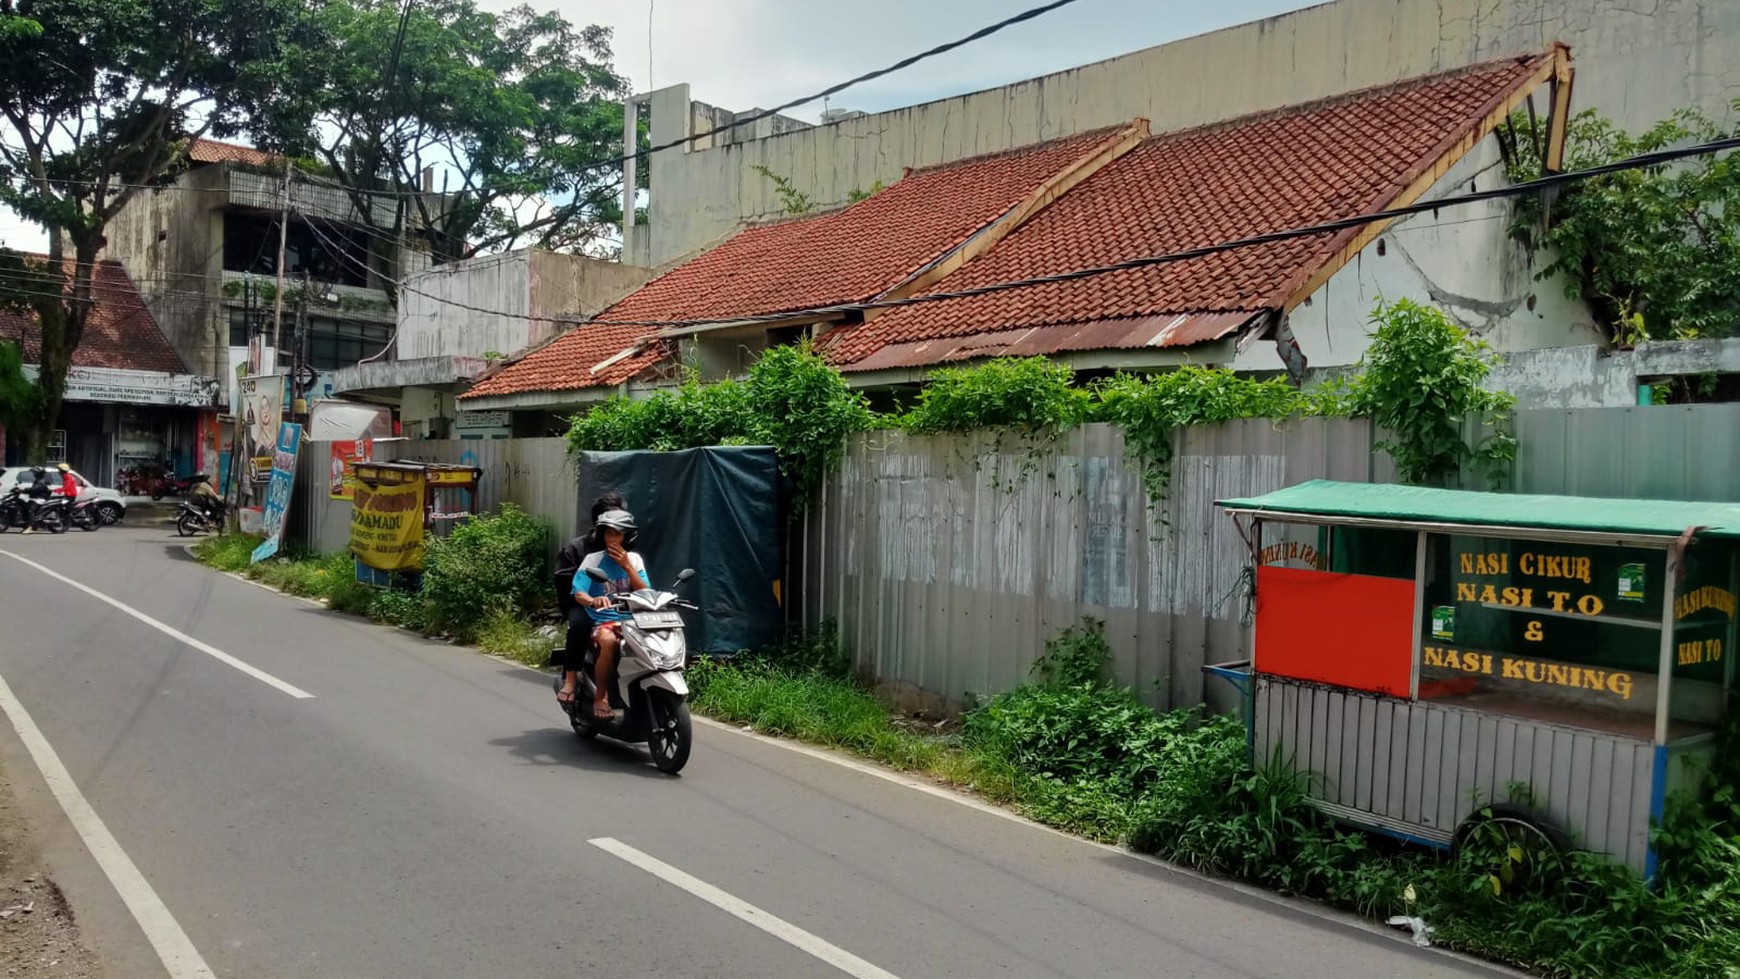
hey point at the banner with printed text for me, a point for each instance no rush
(278, 487)
(386, 526)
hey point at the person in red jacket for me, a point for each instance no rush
(69, 483)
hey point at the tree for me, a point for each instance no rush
(1654, 250)
(100, 99)
(508, 108)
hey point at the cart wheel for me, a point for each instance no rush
(1516, 846)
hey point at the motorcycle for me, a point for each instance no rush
(170, 484)
(86, 516)
(649, 699)
(51, 514)
(191, 518)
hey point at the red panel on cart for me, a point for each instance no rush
(1346, 630)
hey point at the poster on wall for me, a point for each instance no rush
(262, 410)
(208, 454)
(342, 469)
(278, 490)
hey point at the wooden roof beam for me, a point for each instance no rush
(1102, 155)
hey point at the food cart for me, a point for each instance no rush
(394, 508)
(1431, 653)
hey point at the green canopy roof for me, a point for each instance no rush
(1417, 504)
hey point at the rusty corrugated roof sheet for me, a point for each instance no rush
(1180, 330)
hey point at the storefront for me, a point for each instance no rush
(116, 424)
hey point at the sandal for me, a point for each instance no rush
(566, 697)
(602, 712)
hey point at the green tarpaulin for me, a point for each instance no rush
(1417, 504)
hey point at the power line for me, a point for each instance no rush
(1551, 181)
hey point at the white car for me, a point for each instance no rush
(109, 503)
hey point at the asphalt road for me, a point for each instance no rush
(426, 813)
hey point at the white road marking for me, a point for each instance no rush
(174, 948)
(783, 930)
(172, 632)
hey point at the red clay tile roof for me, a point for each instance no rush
(1180, 190)
(844, 256)
(213, 151)
(565, 364)
(122, 331)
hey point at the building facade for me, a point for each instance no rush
(457, 320)
(204, 252)
(132, 405)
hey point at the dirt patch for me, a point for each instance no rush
(38, 935)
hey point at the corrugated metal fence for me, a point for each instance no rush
(948, 561)
(536, 474)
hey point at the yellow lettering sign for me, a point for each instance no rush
(1522, 670)
(1700, 599)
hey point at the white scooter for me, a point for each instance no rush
(650, 697)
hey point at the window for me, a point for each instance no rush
(334, 344)
(1571, 634)
(328, 253)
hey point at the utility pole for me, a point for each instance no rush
(283, 237)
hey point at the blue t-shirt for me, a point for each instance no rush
(620, 581)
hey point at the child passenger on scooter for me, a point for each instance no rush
(625, 571)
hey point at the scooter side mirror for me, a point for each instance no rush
(685, 575)
(598, 575)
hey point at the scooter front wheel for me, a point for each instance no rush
(672, 734)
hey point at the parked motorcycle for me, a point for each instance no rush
(86, 515)
(650, 695)
(170, 484)
(191, 518)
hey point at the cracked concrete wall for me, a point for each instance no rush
(1460, 260)
(1621, 49)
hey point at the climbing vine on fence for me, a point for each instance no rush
(1420, 383)
(1151, 409)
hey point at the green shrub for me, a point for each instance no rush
(490, 565)
(1031, 395)
(790, 400)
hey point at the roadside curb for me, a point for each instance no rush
(1317, 911)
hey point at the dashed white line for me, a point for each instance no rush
(174, 948)
(170, 631)
(738, 908)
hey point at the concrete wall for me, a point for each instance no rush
(521, 299)
(1462, 262)
(1621, 51)
(171, 243)
(575, 286)
(1596, 377)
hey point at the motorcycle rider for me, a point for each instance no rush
(69, 483)
(580, 624)
(626, 572)
(39, 490)
(206, 498)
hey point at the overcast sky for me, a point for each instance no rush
(743, 54)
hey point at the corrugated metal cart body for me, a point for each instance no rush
(1419, 769)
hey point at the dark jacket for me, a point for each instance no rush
(568, 565)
